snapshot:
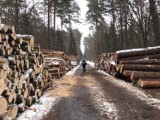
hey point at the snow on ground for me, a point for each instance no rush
(104, 106)
(102, 72)
(43, 106)
(139, 93)
(73, 71)
(92, 64)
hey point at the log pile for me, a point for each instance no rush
(57, 63)
(106, 62)
(22, 74)
(74, 60)
(141, 66)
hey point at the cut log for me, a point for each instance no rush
(20, 99)
(35, 98)
(3, 66)
(14, 98)
(139, 67)
(4, 116)
(155, 56)
(12, 111)
(2, 85)
(28, 38)
(138, 52)
(3, 105)
(143, 74)
(26, 93)
(149, 83)
(142, 61)
(29, 101)
(6, 28)
(13, 80)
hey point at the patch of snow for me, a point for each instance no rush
(92, 64)
(43, 107)
(54, 58)
(27, 73)
(102, 72)
(104, 106)
(139, 93)
(19, 35)
(112, 62)
(130, 50)
(55, 62)
(73, 62)
(138, 49)
(72, 72)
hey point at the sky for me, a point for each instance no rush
(84, 26)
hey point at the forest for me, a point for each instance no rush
(114, 24)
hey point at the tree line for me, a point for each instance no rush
(121, 24)
(39, 18)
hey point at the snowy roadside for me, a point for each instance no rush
(92, 64)
(73, 70)
(42, 107)
(139, 93)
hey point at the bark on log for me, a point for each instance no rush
(141, 61)
(139, 67)
(138, 52)
(155, 56)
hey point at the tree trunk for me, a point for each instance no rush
(155, 21)
(49, 12)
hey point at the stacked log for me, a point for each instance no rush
(55, 67)
(57, 63)
(22, 74)
(141, 66)
(106, 63)
(74, 60)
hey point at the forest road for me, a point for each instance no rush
(93, 96)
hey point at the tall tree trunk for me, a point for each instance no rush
(125, 24)
(114, 26)
(155, 21)
(49, 11)
(121, 26)
(16, 16)
(54, 27)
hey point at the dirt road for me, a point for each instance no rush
(94, 96)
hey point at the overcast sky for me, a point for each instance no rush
(84, 26)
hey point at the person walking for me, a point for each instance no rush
(84, 63)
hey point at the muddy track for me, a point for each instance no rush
(92, 96)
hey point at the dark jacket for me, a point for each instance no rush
(84, 63)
